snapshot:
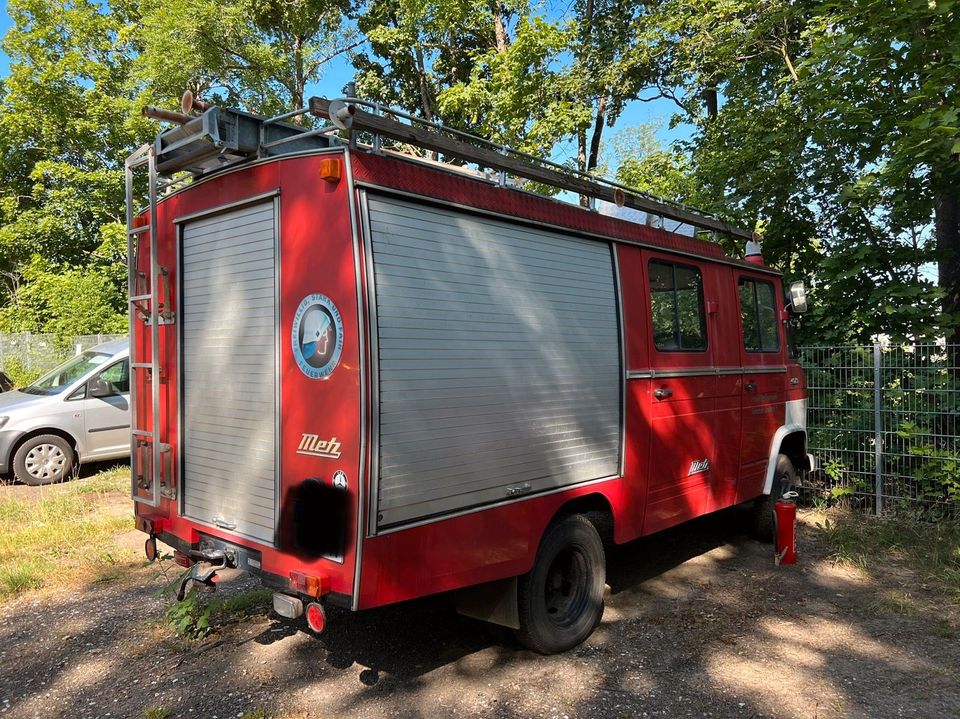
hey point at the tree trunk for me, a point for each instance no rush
(499, 29)
(424, 89)
(597, 132)
(300, 82)
(582, 160)
(710, 100)
(947, 228)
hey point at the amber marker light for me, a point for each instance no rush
(330, 169)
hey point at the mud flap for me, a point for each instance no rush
(494, 602)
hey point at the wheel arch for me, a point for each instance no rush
(596, 507)
(791, 440)
(496, 602)
(30, 434)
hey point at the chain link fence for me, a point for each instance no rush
(25, 356)
(882, 422)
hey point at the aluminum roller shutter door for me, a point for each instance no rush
(228, 370)
(499, 360)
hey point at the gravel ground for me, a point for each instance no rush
(698, 623)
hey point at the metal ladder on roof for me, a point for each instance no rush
(147, 311)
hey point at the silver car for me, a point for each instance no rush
(78, 412)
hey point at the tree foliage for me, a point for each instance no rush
(66, 116)
(833, 126)
(837, 129)
(254, 55)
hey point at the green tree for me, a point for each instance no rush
(836, 129)
(67, 119)
(254, 55)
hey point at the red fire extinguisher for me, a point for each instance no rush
(785, 528)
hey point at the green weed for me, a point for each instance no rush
(196, 615)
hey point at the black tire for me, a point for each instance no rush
(784, 479)
(561, 599)
(44, 459)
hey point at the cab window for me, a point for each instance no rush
(758, 314)
(676, 307)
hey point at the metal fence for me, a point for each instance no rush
(25, 354)
(882, 422)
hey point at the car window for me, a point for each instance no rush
(758, 314)
(119, 375)
(59, 379)
(676, 307)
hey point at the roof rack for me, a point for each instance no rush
(221, 138)
(386, 122)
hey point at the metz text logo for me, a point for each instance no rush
(699, 465)
(312, 445)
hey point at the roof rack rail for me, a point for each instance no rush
(384, 121)
(219, 138)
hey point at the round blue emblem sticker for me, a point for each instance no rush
(317, 336)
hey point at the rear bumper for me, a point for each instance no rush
(7, 440)
(267, 578)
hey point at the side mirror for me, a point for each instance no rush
(97, 387)
(798, 298)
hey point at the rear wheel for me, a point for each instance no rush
(44, 459)
(784, 479)
(561, 599)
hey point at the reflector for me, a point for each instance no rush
(150, 548)
(316, 617)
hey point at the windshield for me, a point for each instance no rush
(66, 374)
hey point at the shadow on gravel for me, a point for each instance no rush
(698, 623)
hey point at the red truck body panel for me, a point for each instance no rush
(704, 447)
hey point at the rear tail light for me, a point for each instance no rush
(182, 559)
(316, 617)
(309, 585)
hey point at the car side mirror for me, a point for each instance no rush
(98, 387)
(798, 298)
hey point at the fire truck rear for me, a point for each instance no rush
(366, 377)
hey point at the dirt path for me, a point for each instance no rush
(699, 623)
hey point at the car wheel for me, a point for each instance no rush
(44, 459)
(560, 600)
(784, 479)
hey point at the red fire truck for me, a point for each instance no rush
(367, 376)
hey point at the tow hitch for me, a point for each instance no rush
(203, 572)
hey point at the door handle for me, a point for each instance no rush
(224, 523)
(663, 393)
(750, 386)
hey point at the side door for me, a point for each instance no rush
(762, 352)
(682, 390)
(107, 419)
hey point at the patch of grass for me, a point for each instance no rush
(196, 616)
(157, 713)
(943, 629)
(930, 549)
(897, 602)
(61, 533)
(238, 605)
(110, 481)
(258, 713)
